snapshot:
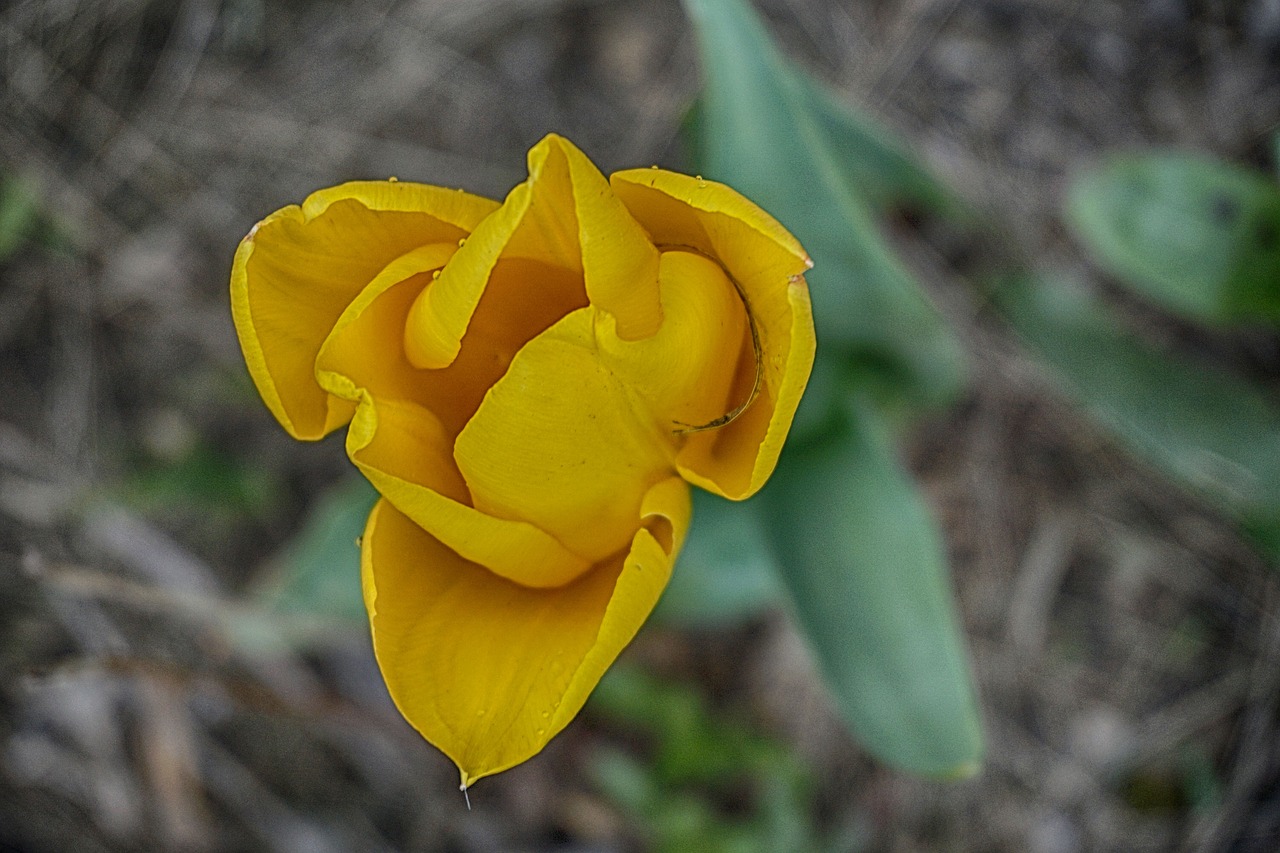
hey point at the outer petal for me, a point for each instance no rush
(565, 216)
(768, 264)
(560, 442)
(489, 671)
(403, 447)
(299, 268)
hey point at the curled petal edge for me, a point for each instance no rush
(767, 265)
(317, 271)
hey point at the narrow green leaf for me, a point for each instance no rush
(864, 566)
(318, 574)
(765, 133)
(725, 573)
(1213, 432)
(1197, 236)
(875, 166)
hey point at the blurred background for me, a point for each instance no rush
(157, 691)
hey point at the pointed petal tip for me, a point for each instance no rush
(555, 140)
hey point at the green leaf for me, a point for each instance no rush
(1199, 237)
(875, 166)
(19, 215)
(773, 136)
(625, 780)
(725, 573)
(318, 573)
(699, 756)
(1211, 431)
(204, 480)
(864, 566)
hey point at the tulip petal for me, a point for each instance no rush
(365, 350)
(403, 446)
(686, 372)
(403, 450)
(564, 215)
(768, 265)
(298, 269)
(562, 443)
(489, 671)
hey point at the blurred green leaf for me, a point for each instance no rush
(1202, 785)
(725, 572)
(1213, 432)
(19, 215)
(768, 132)
(318, 574)
(692, 745)
(875, 166)
(204, 480)
(625, 780)
(698, 758)
(864, 566)
(1199, 237)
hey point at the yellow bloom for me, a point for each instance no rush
(531, 387)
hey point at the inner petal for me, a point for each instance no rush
(768, 264)
(403, 433)
(523, 298)
(362, 351)
(685, 374)
(562, 442)
(565, 215)
(365, 351)
(405, 453)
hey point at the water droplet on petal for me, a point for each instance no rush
(435, 275)
(462, 242)
(654, 166)
(701, 183)
(393, 179)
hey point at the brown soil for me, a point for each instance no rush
(1126, 641)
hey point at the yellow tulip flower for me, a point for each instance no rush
(531, 387)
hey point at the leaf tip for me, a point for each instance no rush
(960, 772)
